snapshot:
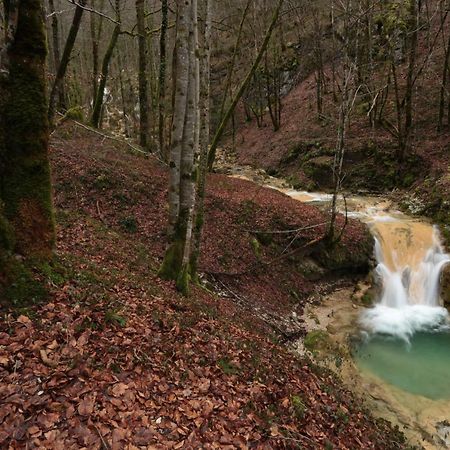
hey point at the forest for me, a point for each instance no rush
(224, 224)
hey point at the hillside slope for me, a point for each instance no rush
(115, 358)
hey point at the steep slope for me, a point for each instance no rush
(115, 358)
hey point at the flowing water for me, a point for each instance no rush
(403, 355)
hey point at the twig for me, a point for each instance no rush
(287, 231)
(105, 136)
(86, 8)
(105, 445)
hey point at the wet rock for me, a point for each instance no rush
(445, 286)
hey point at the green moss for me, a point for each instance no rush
(26, 186)
(316, 340)
(129, 224)
(367, 299)
(6, 235)
(298, 406)
(20, 288)
(114, 317)
(75, 113)
(183, 280)
(265, 238)
(171, 265)
(256, 247)
(103, 182)
(247, 211)
(227, 367)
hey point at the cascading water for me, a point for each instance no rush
(410, 260)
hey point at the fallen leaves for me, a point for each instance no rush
(181, 373)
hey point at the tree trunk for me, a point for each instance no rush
(240, 92)
(95, 39)
(98, 104)
(162, 79)
(413, 30)
(65, 59)
(182, 181)
(25, 186)
(142, 72)
(233, 59)
(56, 51)
(444, 88)
(204, 99)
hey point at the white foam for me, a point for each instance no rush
(403, 322)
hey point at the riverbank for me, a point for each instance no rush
(332, 332)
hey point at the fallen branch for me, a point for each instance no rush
(106, 136)
(287, 231)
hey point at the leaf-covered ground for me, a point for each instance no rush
(116, 359)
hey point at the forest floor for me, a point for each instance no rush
(114, 358)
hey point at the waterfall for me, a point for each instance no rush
(410, 260)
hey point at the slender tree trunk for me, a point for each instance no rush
(444, 88)
(162, 79)
(98, 104)
(96, 25)
(25, 186)
(204, 98)
(233, 59)
(65, 59)
(182, 150)
(56, 51)
(413, 29)
(123, 96)
(243, 87)
(142, 72)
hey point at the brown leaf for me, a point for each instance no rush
(119, 389)
(86, 405)
(24, 320)
(46, 360)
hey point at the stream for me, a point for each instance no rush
(396, 352)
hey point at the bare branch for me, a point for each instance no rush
(94, 11)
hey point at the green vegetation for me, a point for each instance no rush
(129, 224)
(317, 340)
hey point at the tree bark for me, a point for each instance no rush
(413, 29)
(182, 180)
(162, 79)
(25, 186)
(65, 59)
(444, 89)
(142, 75)
(206, 7)
(233, 58)
(96, 34)
(56, 51)
(98, 104)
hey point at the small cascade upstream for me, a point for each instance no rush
(410, 260)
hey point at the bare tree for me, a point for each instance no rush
(65, 59)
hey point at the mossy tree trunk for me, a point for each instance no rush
(56, 50)
(65, 59)
(162, 79)
(25, 186)
(142, 75)
(176, 264)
